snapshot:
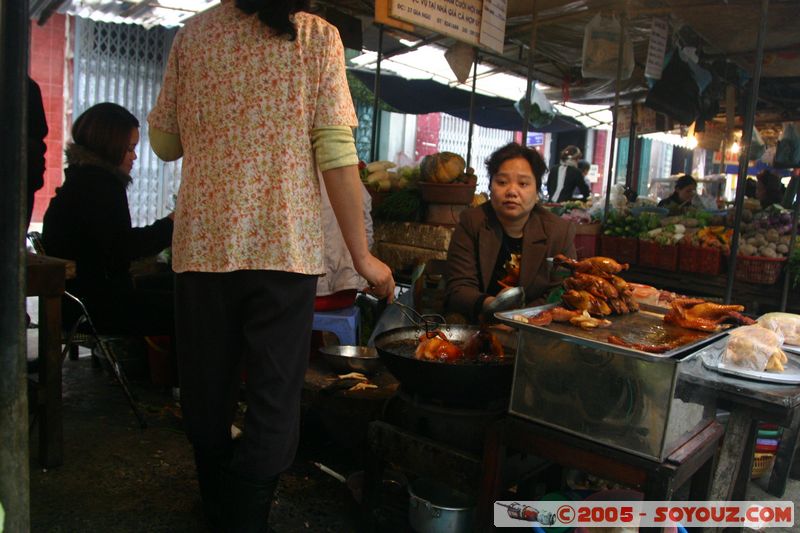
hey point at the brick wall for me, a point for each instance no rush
(47, 61)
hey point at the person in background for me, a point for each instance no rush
(254, 98)
(337, 289)
(37, 131)
(769, 189)
(681, 198)
(89, 222)
(505, 242)
(584, 166)
(562, 184)
(750, 188)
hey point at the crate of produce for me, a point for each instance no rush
(621, 249)
(587, 237)
(699, 260)
(586, 246)
(764, 270)
(663, 256)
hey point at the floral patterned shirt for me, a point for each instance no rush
(244, 103)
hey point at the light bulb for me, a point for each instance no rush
(735, 148)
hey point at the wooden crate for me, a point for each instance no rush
(699, 260)
(621, 249)
(652, 254)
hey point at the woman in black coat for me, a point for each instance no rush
(88, 221)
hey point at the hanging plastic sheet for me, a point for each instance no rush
(787, 154)
(601, 49)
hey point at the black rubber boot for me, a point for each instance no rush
(246, 503)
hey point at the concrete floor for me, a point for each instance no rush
(118, 478)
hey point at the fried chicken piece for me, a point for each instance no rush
(585, 301)
(483, 345)
(562, 314)
(586, 321)
(776, 361)
(654, 348)
(434, 346)
(540, 319)
(696, 313)
(596, 285)
(598, 266)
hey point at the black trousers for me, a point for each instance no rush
(259, 321)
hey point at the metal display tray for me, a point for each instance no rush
(645, 326)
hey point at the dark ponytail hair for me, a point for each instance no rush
(275, 13)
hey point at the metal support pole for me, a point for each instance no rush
(376, 91)
(629, 172)
(528, 88)
(472, 109)
(611, 166)
(747, 137)
(787, 280)
(14, 472)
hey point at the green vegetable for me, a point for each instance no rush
(404, 205)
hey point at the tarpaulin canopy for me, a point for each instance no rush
(418, 97)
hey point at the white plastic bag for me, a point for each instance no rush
(542, 111)
(601, 49)
(757, 146)
(787, 324)
(787, 154)
(751, 347)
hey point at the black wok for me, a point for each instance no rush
(467, 384)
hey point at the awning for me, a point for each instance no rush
(419, 97)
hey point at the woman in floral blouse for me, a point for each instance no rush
(254, 97)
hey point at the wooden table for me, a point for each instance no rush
(45, 279)
(692, 462)
(750, 402)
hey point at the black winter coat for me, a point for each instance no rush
(89, 222)
(573, 179)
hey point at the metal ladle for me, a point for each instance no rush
(513, 298)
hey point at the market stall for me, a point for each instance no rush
(614, 370)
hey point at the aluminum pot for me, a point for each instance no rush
(351, 358)
(436, 508)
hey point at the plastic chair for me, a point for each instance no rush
(344, 323)
(83, 333)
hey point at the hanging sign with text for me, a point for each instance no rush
(471, 21)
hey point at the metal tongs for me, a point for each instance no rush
(429, 322)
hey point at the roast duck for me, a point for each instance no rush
(595, 291)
